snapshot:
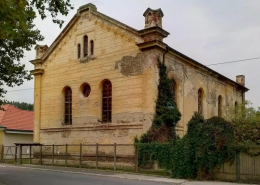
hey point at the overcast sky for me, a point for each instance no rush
(208, 31)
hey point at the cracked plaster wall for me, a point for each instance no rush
(134, 77)
(117, 58)
(189, 80)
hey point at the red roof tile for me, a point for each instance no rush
(14, 118)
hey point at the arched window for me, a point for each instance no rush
(106, 101)
(85, 41)
(219, 106)
(236, 105)
(92, 47)
(68, 106)
(174, 90)
(200, 101)
(79, 50)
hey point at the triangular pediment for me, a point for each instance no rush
(90, 13)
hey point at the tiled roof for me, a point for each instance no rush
(17, 119)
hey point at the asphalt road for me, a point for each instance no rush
(28, 176)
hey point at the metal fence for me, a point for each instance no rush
(79, 155)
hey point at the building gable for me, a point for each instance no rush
(86, 15)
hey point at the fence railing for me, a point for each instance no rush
(245, 168)
(79, 155)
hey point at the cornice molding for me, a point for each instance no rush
(155, 29)
(154, 44)
(36, 61)
(37, 72)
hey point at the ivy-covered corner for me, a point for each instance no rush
(165, 119)
(207, 144)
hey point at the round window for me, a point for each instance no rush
(86, 90)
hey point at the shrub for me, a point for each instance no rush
(207, 144)
(246, 123)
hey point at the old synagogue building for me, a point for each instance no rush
(97, 82)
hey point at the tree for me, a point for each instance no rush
(18, 33)
(246, 122)
(20, 105)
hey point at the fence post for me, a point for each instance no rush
(66, 153)
(115, 156)
(21, 151)
(41, 154)
(30, 159)
(80, 154)
(52, 156)
(136, 158)
(97, 156)
(238, 166)
(2, 154)
(15, 155)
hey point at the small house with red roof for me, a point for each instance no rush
(16, 125)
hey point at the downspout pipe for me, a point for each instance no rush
(167, 50)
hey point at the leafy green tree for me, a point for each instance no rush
(20, 105)
(246, 123)
(18, 33)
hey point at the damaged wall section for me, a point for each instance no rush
(131, 66)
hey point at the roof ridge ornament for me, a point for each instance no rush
(87, 7)
(153, 17)
(40, 50)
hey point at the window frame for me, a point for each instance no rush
(79, 51)
(219, 106)
(106, 101)
(91, 47)
(68, 106)
(200, 101)
(85, 46)
(174, 90)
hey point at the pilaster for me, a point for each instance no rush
(37, 104)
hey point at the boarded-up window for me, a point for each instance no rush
(68, 106)
(174, 90)
(85, 40)
(79, 50)
(219, 106)
(106, 101)
(200, 101)
(92, 47)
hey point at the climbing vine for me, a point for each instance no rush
(207, 144)
(165, 119)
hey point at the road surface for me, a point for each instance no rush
(15, 175)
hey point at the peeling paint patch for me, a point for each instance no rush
(125, 117)
(131, 66)
(212, 97)
(123, 133)
(65, 134)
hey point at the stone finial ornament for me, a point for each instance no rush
(153, 17)
(240, 79)
(87, 7)
(40, 50)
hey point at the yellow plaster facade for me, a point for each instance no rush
(128, 58)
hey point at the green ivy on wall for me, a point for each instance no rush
(165, 120)
(207, 144)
